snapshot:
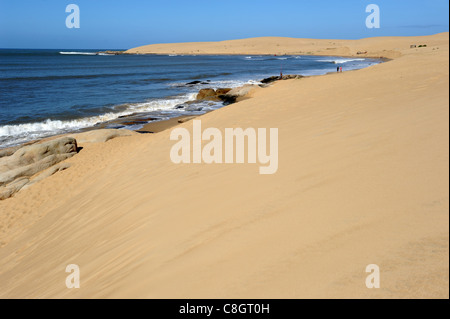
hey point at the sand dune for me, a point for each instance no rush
(388, 47)
(362, 179)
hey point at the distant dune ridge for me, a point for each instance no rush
(362, 179)
(388, 47)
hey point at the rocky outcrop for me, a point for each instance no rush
(271, 79)
(229, 96)
(207, 94)
(34, 153)
(279, 78)
(47, 173)
(12, 188)
(8, 151)
(193, 83)
(211, 94)
(220, 92)
(292, 77)
(237, 94)
(17, 169)
(243, 90)
(25, 165)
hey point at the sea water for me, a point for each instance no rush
(48, 92)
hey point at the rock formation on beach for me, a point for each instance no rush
(282, 78)
(211, 94)
(22, 166)
(229, 96)
(17, 170)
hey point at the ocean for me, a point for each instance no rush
(49, 92)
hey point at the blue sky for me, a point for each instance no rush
(114, 24)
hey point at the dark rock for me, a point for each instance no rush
(278, 78)
(194, 108)
(228, 99)
(292, 77)
(222, 91)
(194, 83)
(271, 79)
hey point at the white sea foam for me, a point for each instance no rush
(78, 53)
(255, 58)
(86, 53)
(340, 61)
(15, 134)
(217, 84)
(230, 83)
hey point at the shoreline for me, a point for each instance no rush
(160, 126)
(265, 55)
(363, 178)
(137, 117)
(367, 47)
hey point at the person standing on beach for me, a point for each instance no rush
(341, 69)
(338, 68)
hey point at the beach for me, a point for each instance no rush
(127, 90)
(380, 47)
(362, 179)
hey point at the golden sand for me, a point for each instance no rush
(387, 47)
(362, 179)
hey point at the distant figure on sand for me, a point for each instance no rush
(338, 68)
(341, 69)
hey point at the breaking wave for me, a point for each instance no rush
(15, 134)
(340, 61)
(85, 53)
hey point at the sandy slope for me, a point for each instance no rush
(363, 178)
(388, 47)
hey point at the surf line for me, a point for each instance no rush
(221, 149)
